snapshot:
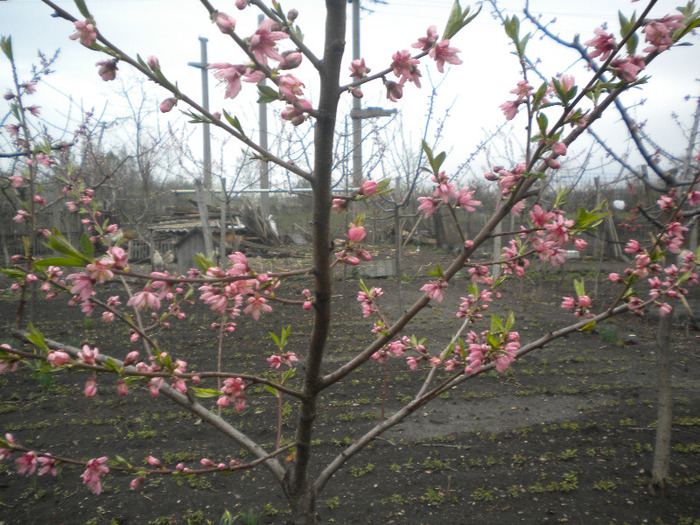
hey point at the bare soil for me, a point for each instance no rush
(566, 435)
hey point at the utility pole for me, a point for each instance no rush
(264, 166)
(202, 65)
(357, 113)
(356, 102)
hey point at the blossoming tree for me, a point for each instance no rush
(557, 112)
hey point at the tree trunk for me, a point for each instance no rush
(662, 449)
(303, 505)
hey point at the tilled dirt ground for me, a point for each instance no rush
(566, 435)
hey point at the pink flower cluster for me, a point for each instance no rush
(228, 297)
(580, 306)
(232, 391)
(658, 33)
(288, 358)
(445, 192)
(351, 253)
(669, 282)
(367, 299)
(472, 305)
(489, 347)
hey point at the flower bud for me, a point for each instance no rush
(168, 104)
(153, 63)
(290, 60)
(292, 15)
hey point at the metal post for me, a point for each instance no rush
(264, 166)
(356, 103)
(202, 65)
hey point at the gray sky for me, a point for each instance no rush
(170, 29)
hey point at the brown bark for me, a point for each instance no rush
(662, 449)
(299, 489)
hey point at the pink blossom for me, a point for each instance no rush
(665, 202)
(224, 22)
(91, 387)
(426, 42)
(368, 188)
(153, 63)
(122, 388)
(154, 386)
(558, 148)
(356, 234)
(144, 299)
(232, 390)
(659, 33)
(442, 52)
(434, 289)
(154, 462)
(229, 74)
(394, 91)
(628, 68)
(17, 180)
(694, 198)
(405, 67)
(57, 358)
(83, 285)
(580, 244)
(444, 189)
(466, 200)
(358, 69)
(510, 109)
(21, 216)
(26, 464)
(603, 44)
(523, 90)
(428, 205)
(664, 309)
(94, 470)
(168, 104)
(108, 69)
(85, 31)
(291, 88)
(256, 306)
(633, 246)
(48, 465)
(340, 205)
(291, 60)
(241, 4)
(263, 42)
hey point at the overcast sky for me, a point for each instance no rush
(169, 29)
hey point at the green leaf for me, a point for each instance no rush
(82, 7)
(542, 122)
(203, 262)
(383, 186)
(512, 27)
(495, 343)
(86, 246)
(204, 392)
(6, 45)
(37, 338)
(496, 324)
(13, 274)
(579, 287)
(457, 20)
(588, 327)
(58, 243)
(59, 261)
(437, 272)
(510, 322)
(267, 94)
(234, 122)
